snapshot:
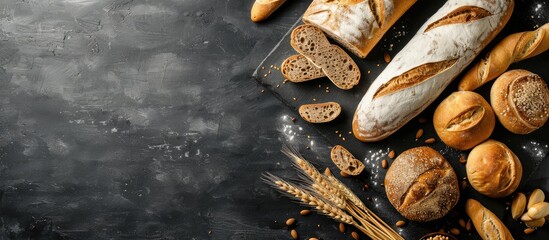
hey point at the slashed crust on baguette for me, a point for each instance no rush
(486, 223)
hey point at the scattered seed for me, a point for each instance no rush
(463, 184)
(468, 225)
(366, 187)
(340, 135)
(419, 133)
(319, 86)
(278, 85)
(369, 71)
(423, 120)
(269, 72)
(293, 119)
(350, 132)
(377, 65)
(355, 235)
(441, 230)
(285, 81)
(462, 159)
(384, 164)
(262, 90)
(341, 227)
(294, 234)
(343, 139)
(265, 75)
(262, 67)
(337, 131)
(454, 231)
(327, 91)
(400, 223)
(529, 231)
(392, 154)
(290, 222)
(430, 140)
(314, 99)
(386, 57)
(305, 212)
(295, 99)
(462, 223)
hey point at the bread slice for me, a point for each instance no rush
(320, 112)
(345, 161)
(338, 66)
(297, 68)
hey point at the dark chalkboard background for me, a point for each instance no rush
(136, 119)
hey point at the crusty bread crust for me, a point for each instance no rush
(262, 9)
(521, 101)
(377, 117)
(422, 185)
(493, 169)
(338, 19)
(487, 224)
(463, 120)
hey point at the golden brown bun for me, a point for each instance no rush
(521, 101)
(421, 185)
(487, 224)
(493, 169)
(262, 9)
(515, 47)
(463, 120)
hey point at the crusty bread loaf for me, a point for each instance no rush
(298, 68)
(345, 161)
(516, 47)
(487, 224)
(338, 66)
(319, 112)
(493, 169)
(422, 185)
(463, 120)
(521, 101)
(262, 9)
(356, 24)
(416, 76)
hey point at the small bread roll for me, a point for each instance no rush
(493, 169)
(463, 120)
(521, 101)
(422, 185)
(486, 223)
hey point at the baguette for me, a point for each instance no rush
(262, 9)
(516, 47)
(356, 24)
(338, 66)
(297, 68)
(416, 76)
(487, 224)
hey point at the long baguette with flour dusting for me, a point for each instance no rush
(440, 50)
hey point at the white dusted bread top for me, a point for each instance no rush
(356, 24)
(416, 76)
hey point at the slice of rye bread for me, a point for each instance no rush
(298, 68)
(338, 66)
(319, 112)
(345, 161)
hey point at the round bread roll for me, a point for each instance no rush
(493, 169)
(520, 100)
(421, 185)
(463, 120)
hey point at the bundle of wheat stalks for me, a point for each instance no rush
(327, 195)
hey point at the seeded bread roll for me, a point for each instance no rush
(521, 101)
(345, 161)
(356, 24)
(422, 185)
(298, 68)
(319, 112)
(444, 46)
(463, 120)
(493, 169)
(338, 66)
(487, 224)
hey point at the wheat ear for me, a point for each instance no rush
(344, 189)
(318, 182)
(308, 198)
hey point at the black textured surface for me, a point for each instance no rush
(136, 119)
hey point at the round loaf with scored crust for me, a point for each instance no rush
(493, 169)
(463, 120)
(520, 100)
(422, 185)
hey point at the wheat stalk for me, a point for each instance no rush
(308, 198)
(344, 189)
